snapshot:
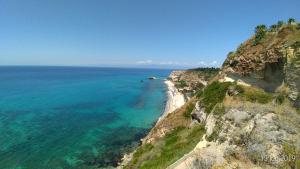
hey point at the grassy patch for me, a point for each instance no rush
(219, 110)
(213, 94)
(291, 156)
(280, 99)
(181, 84)
(168, 149)
(188, 110)
(140, 151)
(256, 95)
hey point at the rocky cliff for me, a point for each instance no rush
(245, 115)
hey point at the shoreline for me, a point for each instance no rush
(175, 99)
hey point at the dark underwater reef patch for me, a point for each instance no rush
(123, 140)
(82, 105)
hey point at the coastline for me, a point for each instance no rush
(175, 99)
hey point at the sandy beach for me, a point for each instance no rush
(175, 99)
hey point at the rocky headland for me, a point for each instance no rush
(244, 115)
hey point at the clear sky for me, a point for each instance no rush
(135, 33)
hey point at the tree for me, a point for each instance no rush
(291, 20)
(260, 33)
(273, 28)
(298, 26)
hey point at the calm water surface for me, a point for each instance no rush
(74, 117)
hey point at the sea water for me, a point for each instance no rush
(75, 117)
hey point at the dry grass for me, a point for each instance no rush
(172, 121)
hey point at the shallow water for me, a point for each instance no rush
(74, 117)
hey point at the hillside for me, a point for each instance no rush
(245, 115)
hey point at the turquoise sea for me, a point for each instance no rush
(75, 117)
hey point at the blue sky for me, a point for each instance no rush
(134, 33)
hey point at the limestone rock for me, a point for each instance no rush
(210, 124)
(198, 113)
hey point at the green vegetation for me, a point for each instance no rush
(273, 28)
(291, 20)
(140, 151)
(213, 94)
(181, 84)
(279, 99)
(291, 156)
(206, 69)
(219, 110)
(260, 33)
(296, 45)
(207, 72)
(168, 149)
(240, 49)
(189, 109)
(256, 95)
(239, 89)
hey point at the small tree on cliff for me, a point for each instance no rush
(273, 28)
(291, 20)
(260, 33)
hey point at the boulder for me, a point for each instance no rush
(198, 113)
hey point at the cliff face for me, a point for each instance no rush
(269, 64)
(242, 116)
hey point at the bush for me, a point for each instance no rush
(213, 94)
(188, 110)
(291, 20)
(240, 49)
(280, 99)
(290, 155)
(181, 84)
(260, 33)
(219, 110)
(273, 28)
(240, 89)
(255, 95)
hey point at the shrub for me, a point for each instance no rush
(188, 110)
(273, 28)
(298, 26)
(181, 84)
(240, 89)
(291, 20)
(256, 95)
(280, 99)
(260, 33)
(290, 155)
(213, 94)
(240, 49)
(219, 110)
